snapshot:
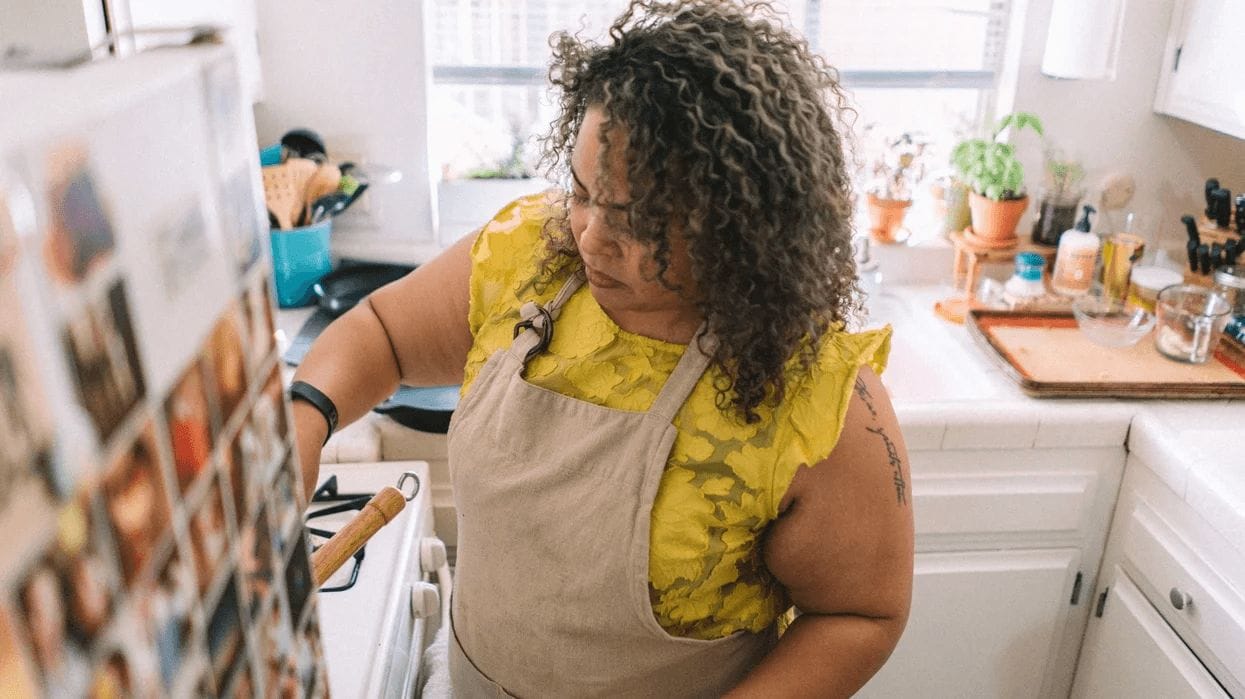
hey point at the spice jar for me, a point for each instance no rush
(1230, 281)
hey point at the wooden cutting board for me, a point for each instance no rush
(1046, 354)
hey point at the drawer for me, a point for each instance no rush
(1208, 613)
(1039, 503)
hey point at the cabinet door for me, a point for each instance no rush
(1204, 56)
(983, 624)
(1134, 653)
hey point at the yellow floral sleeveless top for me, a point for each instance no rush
(724, 479)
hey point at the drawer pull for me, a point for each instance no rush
(1179, 598)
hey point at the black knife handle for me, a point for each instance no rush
(1240, 214)
(1192, 247)
(1190, 227)
(1230, 250)
(1211, 185)
(1203, 258)
(1223, 207)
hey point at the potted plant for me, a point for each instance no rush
(996, 178)
(950, 201)
(1058, 199)
(894, 171)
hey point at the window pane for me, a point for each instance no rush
(487, 130)
(911, 34)
(483, 129)
(510, 32)
(940, 116)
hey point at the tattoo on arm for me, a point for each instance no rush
(896, 464)
(863, 391)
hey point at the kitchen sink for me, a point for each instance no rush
(927, 360)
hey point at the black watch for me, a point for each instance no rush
(301, 390)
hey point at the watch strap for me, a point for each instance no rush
(301, 390)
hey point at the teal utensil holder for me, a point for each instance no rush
(300, 258)
(270, 155)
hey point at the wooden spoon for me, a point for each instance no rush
(326, 179)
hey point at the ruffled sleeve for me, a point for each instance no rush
(815, 414)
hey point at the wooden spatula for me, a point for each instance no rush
(285, 185)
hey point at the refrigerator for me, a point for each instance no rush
(150, 499)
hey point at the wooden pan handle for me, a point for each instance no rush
(378, 512)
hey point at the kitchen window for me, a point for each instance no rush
(927, 66)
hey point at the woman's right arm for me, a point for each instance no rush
(413, 331)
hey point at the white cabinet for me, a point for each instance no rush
(1202, 65)
(1008, 542)
(1170, 619)
(1135, 653)
(983, 624)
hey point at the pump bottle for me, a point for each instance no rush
(1075, 258)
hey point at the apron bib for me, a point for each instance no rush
(554, 498)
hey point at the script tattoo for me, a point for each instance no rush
(892, 455)
(863, 391)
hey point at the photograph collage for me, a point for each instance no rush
(174, 560)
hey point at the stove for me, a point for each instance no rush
(383, 607)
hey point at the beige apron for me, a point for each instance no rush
(554, 497)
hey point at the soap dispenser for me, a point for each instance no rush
(1075, 258)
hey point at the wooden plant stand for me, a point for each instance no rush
(969, 257)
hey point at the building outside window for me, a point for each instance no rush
(928, 67)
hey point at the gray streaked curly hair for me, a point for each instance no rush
(734, 140)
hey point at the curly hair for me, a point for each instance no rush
(733, 140)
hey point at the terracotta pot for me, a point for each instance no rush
(996, 220)
(885, 217)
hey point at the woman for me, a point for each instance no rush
(666, 436)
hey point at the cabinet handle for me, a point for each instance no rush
(1179, 598)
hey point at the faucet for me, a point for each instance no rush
(866, 265)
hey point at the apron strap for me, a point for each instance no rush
(534, 332)
(538, 320)
(685, 376)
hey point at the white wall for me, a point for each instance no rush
(358, 74)
(1111, 126)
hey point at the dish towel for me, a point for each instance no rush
(436, 670)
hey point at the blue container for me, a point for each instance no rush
(300, 258)
(270, 155)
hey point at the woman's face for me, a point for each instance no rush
(621, 271)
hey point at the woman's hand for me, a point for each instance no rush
(843, 548)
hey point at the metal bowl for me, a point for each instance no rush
(1111, 323)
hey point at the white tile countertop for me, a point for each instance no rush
(949, 394)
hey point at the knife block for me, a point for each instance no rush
(1210, 233)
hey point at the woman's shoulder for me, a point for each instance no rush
(814, 410)
(512, 236)
(507, 255)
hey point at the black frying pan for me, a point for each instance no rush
(344, 287)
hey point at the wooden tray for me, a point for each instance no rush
(1046, 354)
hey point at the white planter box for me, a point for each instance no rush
(465, 205)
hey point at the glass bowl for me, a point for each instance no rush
(1111, 323)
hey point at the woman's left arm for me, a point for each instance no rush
(842, 546)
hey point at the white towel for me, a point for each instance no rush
(436, 670)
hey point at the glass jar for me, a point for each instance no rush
(1230, 281)
(1056, 213)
